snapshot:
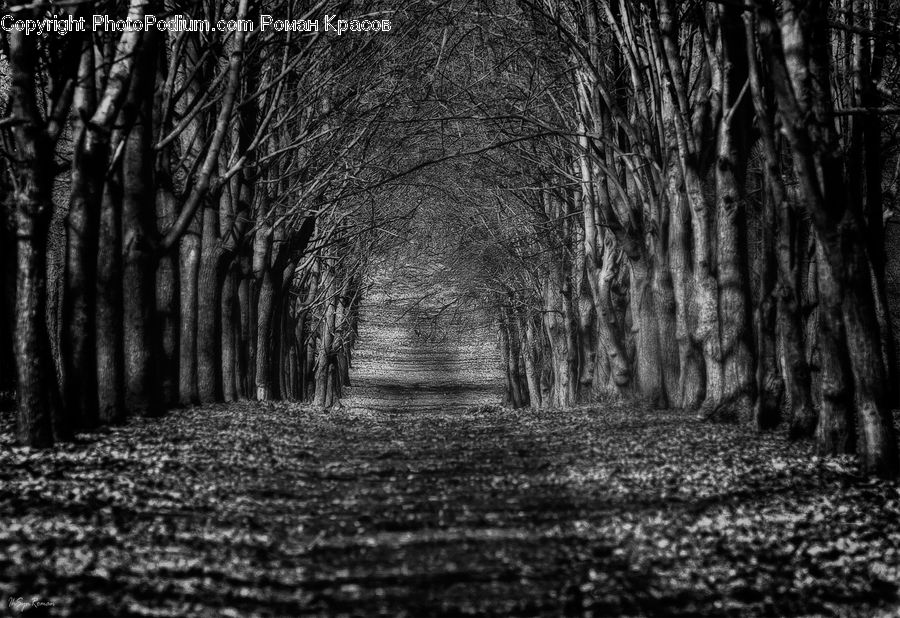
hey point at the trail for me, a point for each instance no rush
(420, 349)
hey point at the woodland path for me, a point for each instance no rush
(255, 509)
(412, 501)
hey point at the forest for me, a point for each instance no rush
(660, 206)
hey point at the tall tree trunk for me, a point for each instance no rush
(209, 305)
(168, 295)
(511, 359)
(664, 304)
(77, 345)
(769, 385)
(691, 379)
(644, 325)
(263, 275)
(835, 433)
(35, 383)
(789, 327)
(245, 340)
(189, 249)
(527, 336)
(229, 340)
(732, 270)
(324, 352)
(555, 327)
(736, 356)
(110, 318)
(621, 367)
(141, 345)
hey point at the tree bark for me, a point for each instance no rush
(110, 317)
(141, 344)
(77, 345)
(189, 250)
(209, 305)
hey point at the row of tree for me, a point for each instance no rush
(187, 214)
(688, 208)
(677, 203)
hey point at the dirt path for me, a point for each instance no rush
(256, 509)
(419, 350)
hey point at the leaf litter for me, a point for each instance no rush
(281, 509)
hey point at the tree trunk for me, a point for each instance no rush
(245, 340)
(620, 365)
(141, 344)
(644, 325)
(736, 356)
(527, 335)
(264, 339)
(209, 306)
(835, 433)
(663, 288)
(769, 385)
(110, 317)
(189, 249)
(323, 356)
(77, 345)
(691, 379)
(230, 375)
(511, 359)
(789, 327)
(35, 382)
(168, 293)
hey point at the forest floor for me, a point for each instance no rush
(262, 509)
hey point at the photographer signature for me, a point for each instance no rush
(20, 604)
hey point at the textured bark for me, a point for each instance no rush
(253, 339)
(527, 334)
(509, 395)
(34, 374)
(555, 328)
(769, 384)
(309, 343)
(168, 294)
(8, 267)
(835, 432)
(209, 306)
(646, 335)
(572, 344)
(799, 58)
(510, 354)
(789, 328)
(688, 139)
(732, 270)
(229, 340)
(264, 276)
(324, 369)
(77, 345)
(663, 288)
(691, 378)
(110, 317)
(189, 263)
(245, 342)
(620, 367)
(736, 357)
(141, 338)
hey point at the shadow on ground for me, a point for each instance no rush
(254, 509)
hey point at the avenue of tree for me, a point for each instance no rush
(677, 203)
